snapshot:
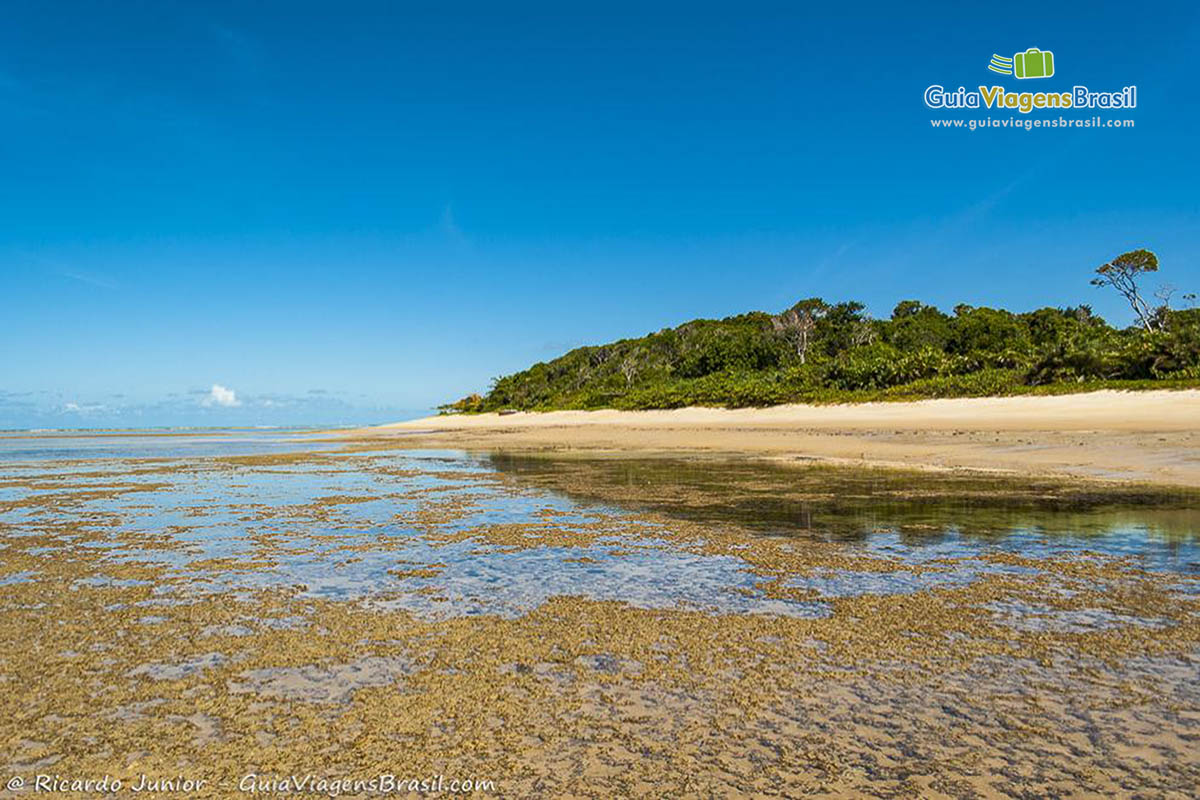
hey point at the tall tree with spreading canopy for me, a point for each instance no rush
(1122, 274)
(797, 323)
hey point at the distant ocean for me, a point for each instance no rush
(114, 425)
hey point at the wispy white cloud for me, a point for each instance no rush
(220, 396)
(70, 271)
(84, 408)
(91, 279)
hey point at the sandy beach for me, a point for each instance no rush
(1151, 437)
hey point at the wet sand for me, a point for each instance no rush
(596, 629)
(1149, 437)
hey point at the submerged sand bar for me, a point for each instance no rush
(1150, 437)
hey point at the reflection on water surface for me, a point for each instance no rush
(911, 515)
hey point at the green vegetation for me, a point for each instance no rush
(821, 352)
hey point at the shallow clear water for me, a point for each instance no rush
(349, 550)
(352, 527)
(62, 446)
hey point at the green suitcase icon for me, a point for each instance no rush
(1033, 63)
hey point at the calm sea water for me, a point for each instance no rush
(405, 529)
(68, 446)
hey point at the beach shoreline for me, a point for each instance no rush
(1148, 437)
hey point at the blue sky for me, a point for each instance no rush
(347, 212)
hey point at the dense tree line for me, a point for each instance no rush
(817, 351)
